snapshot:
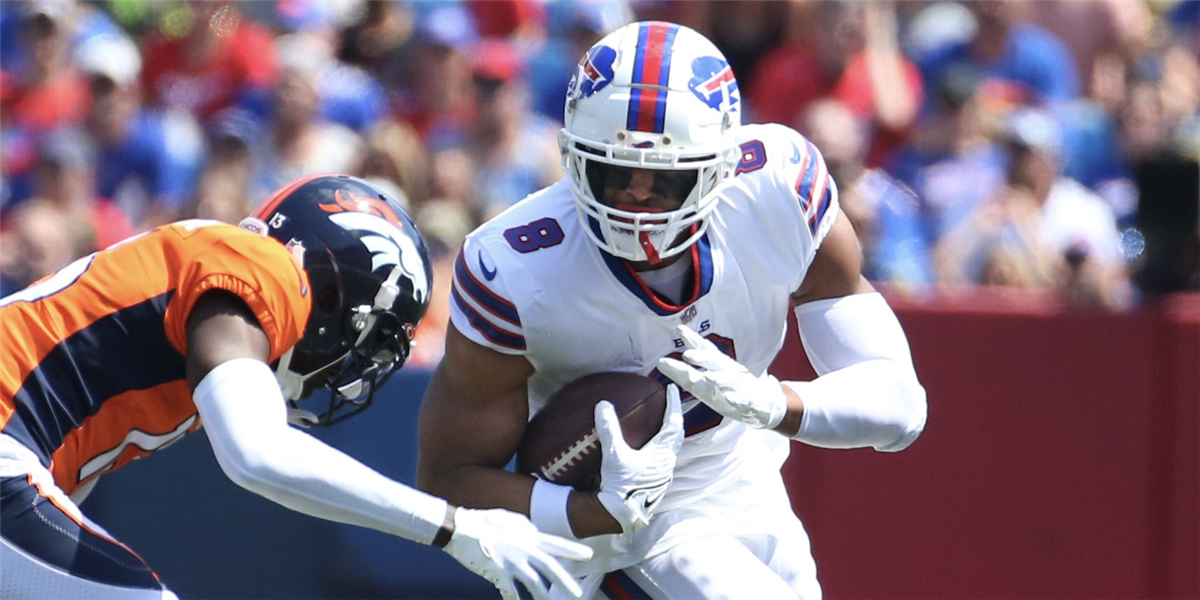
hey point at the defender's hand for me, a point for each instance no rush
(632, 482)
(724, 384)
(501, 545)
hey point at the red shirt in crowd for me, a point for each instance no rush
(178, 73)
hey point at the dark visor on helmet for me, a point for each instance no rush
(671, 185)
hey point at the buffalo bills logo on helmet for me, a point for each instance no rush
(594, 72)
(713, 82)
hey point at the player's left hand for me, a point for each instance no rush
(503, 546)
(724, 384)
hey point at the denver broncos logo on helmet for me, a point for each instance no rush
(347, 201)
(388, 247)
(594, 72)
(713, 82)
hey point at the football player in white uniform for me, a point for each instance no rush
(676, 247)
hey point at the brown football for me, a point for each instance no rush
(560, 442)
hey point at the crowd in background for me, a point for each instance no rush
(1046, 144)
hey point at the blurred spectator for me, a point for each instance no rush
(574, 26)
(1042, 229)
(952, 163)
(444, 224)
(45, 91)
(146, 160)
(383, 42)
(221, 60)
(62, 175)
(1091, 28)
(237, 145)
(934, 25)
(1184, 20)
(856, 59)
(885, 213)
(220, 195)
(439, 103)
(522, 22)
(236, 152)
(1019, 63)
(513, 149)
(39, 237)
(1160, 88)
(84, 19)
(395, 154)
(406, 94)
(312, 16)
(350, 94)
(743, 29)
(301, 141)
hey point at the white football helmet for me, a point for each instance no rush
(650, 95)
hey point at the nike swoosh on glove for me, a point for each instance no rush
(725, 384)
(502, 546)
(633, 482)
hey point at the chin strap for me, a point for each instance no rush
(648, 248)
(302, 418)
(364, 318)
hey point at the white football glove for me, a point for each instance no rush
(724, 384)
(632, 482)
(500, 545)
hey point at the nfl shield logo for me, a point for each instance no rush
(688, 315)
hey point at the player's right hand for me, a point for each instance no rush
(633, 482)
(503, 546)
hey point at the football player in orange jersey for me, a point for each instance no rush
(128, 349)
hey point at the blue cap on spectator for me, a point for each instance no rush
(449, 25)
(236, 124)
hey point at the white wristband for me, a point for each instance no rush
(548, 508)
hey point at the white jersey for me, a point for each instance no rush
(530, 282)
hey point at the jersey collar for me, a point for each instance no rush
(702, 276)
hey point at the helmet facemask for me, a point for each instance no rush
(379, 345)
(643, 235)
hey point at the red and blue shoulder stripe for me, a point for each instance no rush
(814, 188)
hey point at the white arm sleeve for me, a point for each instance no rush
(245, 417)
(867, 393)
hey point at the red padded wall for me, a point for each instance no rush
(1061, 459)
(1178, 523)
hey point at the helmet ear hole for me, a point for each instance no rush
(326, 299)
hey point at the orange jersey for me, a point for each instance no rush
(92, 372)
